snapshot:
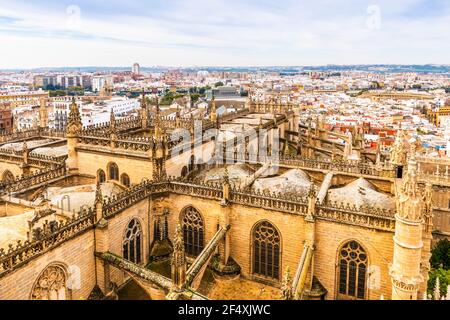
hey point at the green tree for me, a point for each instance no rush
(440, 257)
(219, 84)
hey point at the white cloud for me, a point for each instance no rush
(219, 32)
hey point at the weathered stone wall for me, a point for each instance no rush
(72, 254)
(379, 246)
(137, 169)
(116, 229)
(330, 237)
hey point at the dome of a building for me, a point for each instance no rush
(361, 193)
(293, 182)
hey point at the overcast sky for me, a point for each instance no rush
(59, 33)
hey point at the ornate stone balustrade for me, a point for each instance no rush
(44, 160)
(297, 205)
(365, 216)
(356, 218)
(25, 182)
(231, 116)
(45, 239)
(354, 167)
(19, 136)
(122, 201)
(53, 133)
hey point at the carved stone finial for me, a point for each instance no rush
(398, 152)
(286, 287)
(98, 193)
(437, 290)
(178, 259)
(410, 203)
(74, 124)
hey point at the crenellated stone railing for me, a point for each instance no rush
(342, 166)
(233, 115)
(366, 216)
(44, 240)
(25, 182)
(19, 136)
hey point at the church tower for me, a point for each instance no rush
(405, 271)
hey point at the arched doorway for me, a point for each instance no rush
(352, 271)
(51, 285)
(266, 242)
(193, 231)
(132, 242)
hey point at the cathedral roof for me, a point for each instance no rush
(361, 193)
(18, 146)
(236, 172)
(52, 151)
(79, 195)
(14, 228)
(295, 182)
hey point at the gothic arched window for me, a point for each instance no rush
(113, 171)
(352, 271)
(101, 176)
(193, 231)
(125, 180)
(7, 176)
(51, 285)
(132, 242)
(266, 250)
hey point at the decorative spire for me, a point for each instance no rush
(213, 113)
(74, 124)
(410, 186)
(410, 205)
(98, 193)
(112, 122)
(286, 287)
(437, 289)
(312, 199)
(98, 203)
(42, 113)
(178, 259)
(226, 188)
(143, 100)
(25, 152)
(226, 177)
(144, 111)
(398, 154)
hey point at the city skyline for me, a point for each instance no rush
(219, 33)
